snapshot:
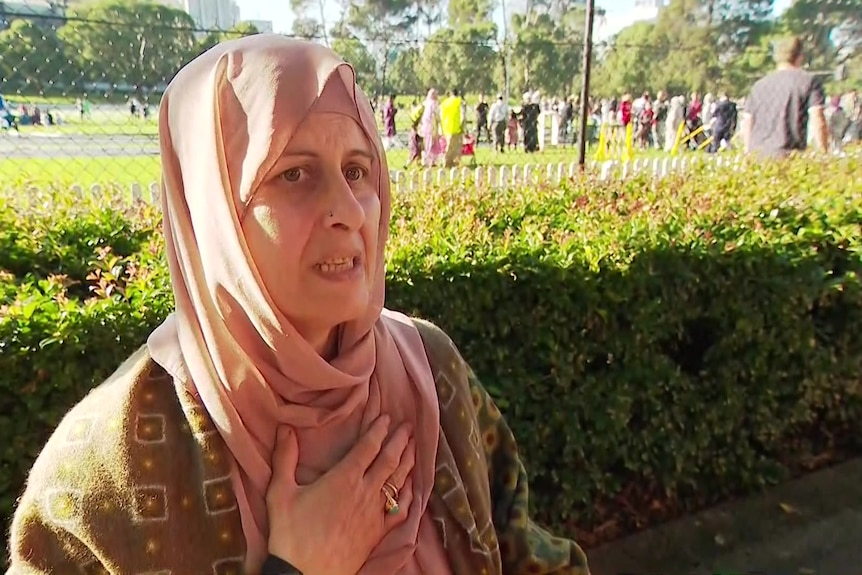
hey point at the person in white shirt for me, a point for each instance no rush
(497, 116)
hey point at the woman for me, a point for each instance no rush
(281, 421)
(837, 122)
(512, 127)
(414, 143)
(390, 110)
(674, 121)
(529, 120)
(646, 124)
(429, 129)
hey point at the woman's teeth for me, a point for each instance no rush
(336, 265)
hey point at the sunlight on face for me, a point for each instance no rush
(317, 267)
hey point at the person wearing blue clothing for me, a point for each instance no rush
(7, 119)
(723, 123)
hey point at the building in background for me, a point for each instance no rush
(209, 14)
(262, 26)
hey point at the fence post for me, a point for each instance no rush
(156, 194)
(606, 170)
(137, 193)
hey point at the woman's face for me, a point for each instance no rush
(312, 226)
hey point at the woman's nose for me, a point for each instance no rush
(344, 209)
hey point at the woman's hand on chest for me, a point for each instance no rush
(331, 526)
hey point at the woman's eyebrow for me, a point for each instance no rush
(313, 154)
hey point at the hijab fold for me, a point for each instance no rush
(224, 121)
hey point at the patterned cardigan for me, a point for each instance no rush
(135, 481)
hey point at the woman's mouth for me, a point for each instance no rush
(337, 265)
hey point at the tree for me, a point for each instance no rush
(686, 57)
(832, 30)
(379, 21)
(381, 25)
(428, 17)
(469, 12)
(307, 27)
(753, 63)
(130, 42)
(738, 24)
(461, 58)
(630, 62)
(544, 55)
(353, 51)
(854, 74)
(548, 45)
(405, 77)
(702, 45)
(33, 59)
(308, 24)
(217, 36)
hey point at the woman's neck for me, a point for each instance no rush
(325, 343)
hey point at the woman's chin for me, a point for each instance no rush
(342, 307)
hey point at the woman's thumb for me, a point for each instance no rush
(285, 459)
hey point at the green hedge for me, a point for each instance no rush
(655, 345)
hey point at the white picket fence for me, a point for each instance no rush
(507, 176)
(493, 176)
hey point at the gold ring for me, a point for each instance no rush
(391, 493)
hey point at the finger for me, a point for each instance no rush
(405, 466)
(389, 457)
(366, 449)
(405, 500)
(285, 459)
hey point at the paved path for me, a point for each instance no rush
(76, 145)
(810, 526)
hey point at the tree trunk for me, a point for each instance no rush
(503, 60)
(321, 5)
(141, 52)
(382, 89)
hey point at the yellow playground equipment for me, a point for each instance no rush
(615, 142)
(683, 140)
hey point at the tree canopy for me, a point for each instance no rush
(408, 46)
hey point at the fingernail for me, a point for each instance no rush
(385, 419)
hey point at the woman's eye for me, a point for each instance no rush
(291, 175)
(354, 174)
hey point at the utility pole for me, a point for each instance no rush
(506, 50)
(585, 83)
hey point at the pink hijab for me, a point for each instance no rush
(224, 121)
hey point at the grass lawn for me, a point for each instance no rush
(78, 128)
(85, 171)
(109, 118)
(126, 170)
(100, 124)
(96, 100)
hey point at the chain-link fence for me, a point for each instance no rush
(81, 80)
